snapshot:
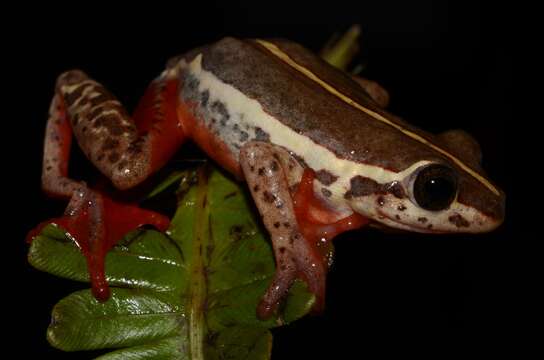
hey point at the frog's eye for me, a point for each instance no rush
(435, 187)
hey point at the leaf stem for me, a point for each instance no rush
(198, 284)
(339, 52)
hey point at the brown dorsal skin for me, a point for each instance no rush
(464, 146)
(314, 112)
(330, 122)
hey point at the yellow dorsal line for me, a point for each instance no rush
(283, 56)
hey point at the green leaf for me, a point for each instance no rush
(146, 260)
(191, 293)
(240, 343)
(166, 349)
(129, 318)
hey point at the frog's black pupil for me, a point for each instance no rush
(435, 187)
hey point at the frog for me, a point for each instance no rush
(316, 147)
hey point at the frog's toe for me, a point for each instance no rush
(313, 270)
(284, 277)
(295, 263)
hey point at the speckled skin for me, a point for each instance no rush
(267, 170)
(104, 130)
(331, 123)
(297, 105)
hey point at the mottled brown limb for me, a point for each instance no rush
(462, 144)
(125, 151)
(103, 129)
(266, 170)
(375, 90)
(58, 139)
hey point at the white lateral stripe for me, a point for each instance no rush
(248, 111)
(287, 59)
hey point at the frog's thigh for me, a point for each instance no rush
(268, 173)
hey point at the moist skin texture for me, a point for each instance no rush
(355, 143)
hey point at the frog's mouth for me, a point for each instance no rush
(390, 223)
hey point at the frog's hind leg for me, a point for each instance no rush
(125, 149)
(111, 140)
(83, 216)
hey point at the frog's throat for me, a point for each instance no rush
(309, 74)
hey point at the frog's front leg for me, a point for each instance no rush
(270, 173)
(267, 181)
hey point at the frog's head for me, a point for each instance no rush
(440, 195)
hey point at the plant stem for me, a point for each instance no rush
(341, 52)
(198, 284)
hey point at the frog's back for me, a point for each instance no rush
(310, 109)
(279, 92)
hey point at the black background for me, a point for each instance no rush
(446, 64)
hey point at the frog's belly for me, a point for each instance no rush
(229, 119)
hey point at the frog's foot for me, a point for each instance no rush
(92, 220)
(84, 223)
(299, 260)
(296, 229)
(96, 223)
